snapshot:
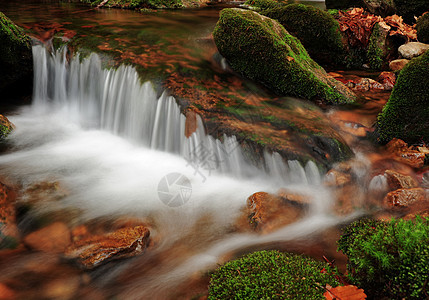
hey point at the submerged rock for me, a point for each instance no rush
(423, 28)
(93, 251)
(412, 49)
(54, 238)
(406, 114)
(16, 58)
(261, 49)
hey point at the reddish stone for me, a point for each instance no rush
(397, 180)
(54, 238)
(364, 84)
(407, 155)
(93, 251)
(405, 197)
(387, 79)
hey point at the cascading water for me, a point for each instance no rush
(109, 141)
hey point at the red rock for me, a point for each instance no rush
(398, 64)
(407, 155)
(6, 293)
(387, 79)
(266, 212)
(364, 84)
(7, 213)
(397, 180)
(405, 197)
(54, 238)
(93, 251)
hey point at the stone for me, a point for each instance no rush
(266, 212)
(422, 27)
(380, 7)
(378, 46)
(406, 114)
(387, 79)
(191, 123)
(337, 178)
(6, 127)
(54, 238)
(16, 57)
(407, 155)
(405, 197)
(8, 229)
(262, 50)
(95, 250)
(397, 180)
(364, 84)
(398, 64)
(412, 49)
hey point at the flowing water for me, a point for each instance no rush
(111, 142)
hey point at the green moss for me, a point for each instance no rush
(406, 114)
(317, 30)
(410, 8)
(423, 29)
(139, 4)
(375, 53)
(271, 275)
(263, 4)
(389, 260)
(262, 50)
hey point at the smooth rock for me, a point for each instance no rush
(54, 238)
(412, 49)
(405, 197)
(398, 64)
(397, 180)
(93, 251)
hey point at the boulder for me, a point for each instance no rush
(405, 197)
(414, 157)
(423, 28)
(92, 251)
(380, 7)
(378, 47)
(261, 49)
(263, 4)
(54, 238)
(397, 180)
(317, 30)
(398, 64)
(406, 114)
(16, 58)
(412, 49)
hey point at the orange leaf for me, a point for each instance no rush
(347, 292)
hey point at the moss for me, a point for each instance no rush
(139, 4)
(408, 9)
(263, 4)
(271, 275)
(344, 4)
(423, 29)
(406, 114)
(375, 53)
(262, 50)
(16, 62)
(317, 30)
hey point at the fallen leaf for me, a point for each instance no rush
(347, 292)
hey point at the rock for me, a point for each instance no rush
(407, 155)
(398, 64)
(378, 46)
(5, 127)
(406, 114)
(380, 7)
(6, 293)
(262, 50)
(8, 229)
(387, 79)
(364, 84)
(95, 250)
(16, 58)
(397, 180)
(317, 30)
(54, 238)
(63, 288)
(263, 4)
(410, 9)
(405, 197)
(191, 123)
(423, 29)
(266, 212)
(412, 49)
(337, 178)
(343, 4)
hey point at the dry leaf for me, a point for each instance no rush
(347, 292)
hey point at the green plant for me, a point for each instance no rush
(271, 275)
(388, 258)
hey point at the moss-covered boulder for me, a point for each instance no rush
(343, 4)
(406, 114)
(142, 4)
(261, 49)
(409, 9)
(16, 59)
(423, 29)
(263, 4)
(378, 48)
(317, 30)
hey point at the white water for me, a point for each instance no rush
(109, 141)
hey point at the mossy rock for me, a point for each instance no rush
(317, 30)
(409, 9)
(423, 29)
(343, 4)
(138, 4)
(16, 59)
(264, 4)
(261, 49)
(406, 114)
(377, 49)
(5, 127)
(271, 275)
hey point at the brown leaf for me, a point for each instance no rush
(347, 292)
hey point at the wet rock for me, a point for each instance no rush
(406, 114)
(6, 293)
(412, 49)
(378, 48)
(423, 28)
(398, 64)
(95, 250)
(8, 228)
(397, 180)
(266, 212)
(16, 58)
(63, 288)
(408, 155)
(5, 127)
(405, 197)
(364, 84)
(191, 123)
(262, 50)
(387, 79)
(54, 238)
(337, 178)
